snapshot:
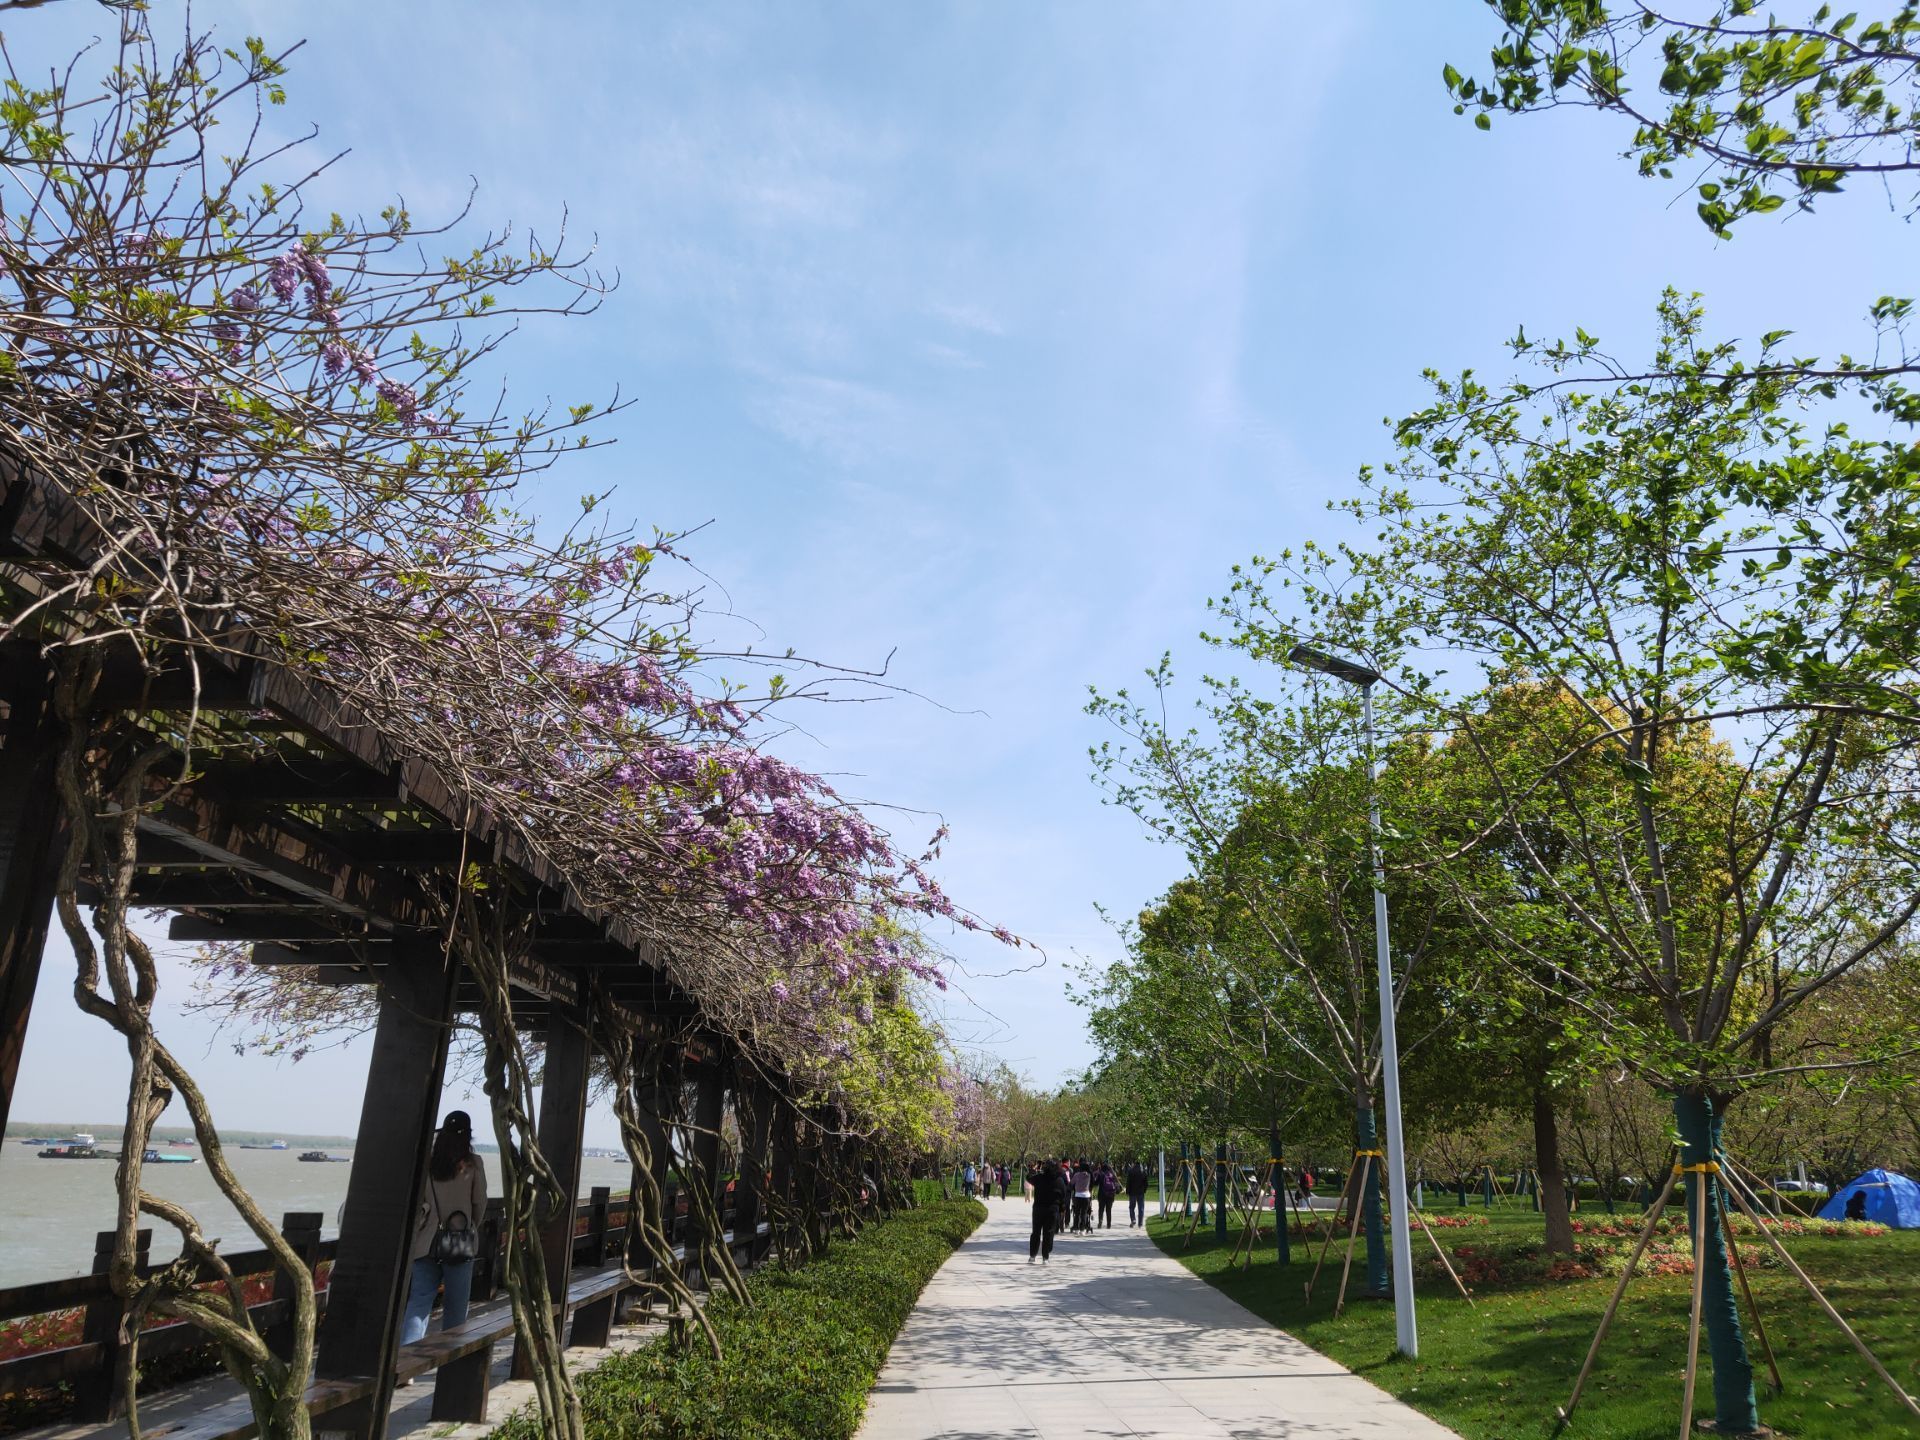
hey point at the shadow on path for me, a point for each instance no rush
(1112, 1338)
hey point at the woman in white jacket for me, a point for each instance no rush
(453, 1199)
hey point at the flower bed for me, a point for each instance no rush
(1316, 1229)
(1603, 1249)
(1456, 1222)
(1674, 1223)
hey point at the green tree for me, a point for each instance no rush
(1775, 108)
(1620, 547)
(1268, 950)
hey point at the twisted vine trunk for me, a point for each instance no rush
(103, 779)
(530, 1193)
(635, 1068)
(707, 1249)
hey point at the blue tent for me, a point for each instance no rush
(1891, 1198)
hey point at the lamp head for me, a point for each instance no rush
(1348, 670)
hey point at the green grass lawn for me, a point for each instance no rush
(1498, 1370)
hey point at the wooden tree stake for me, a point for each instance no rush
(1327, 1244)
(1440, 1250)
(1826, 1304)
(1606, 1319)
(1740, 1269)
(1700, 1241)
(1353, 1229)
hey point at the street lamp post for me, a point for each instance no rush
(1406, 1333)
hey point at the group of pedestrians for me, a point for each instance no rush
(1064, 1193)
(980, 1179)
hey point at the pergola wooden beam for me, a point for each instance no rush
(251, 927)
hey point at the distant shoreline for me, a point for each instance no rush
(162, 1134)
(108, 1132)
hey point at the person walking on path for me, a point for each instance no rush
(1136, 1194)
(1108, 1186)
(1049, 1189)
(990, 1353)
(967, 1179)
(446, 1229)
(1082, 1198)
(1006, 1178)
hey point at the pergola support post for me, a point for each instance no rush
(563, 1118)
(703, 1141)
(655, 1102)
(397, 1113)
(750, 1196)
(780, 1187)
(32, 839)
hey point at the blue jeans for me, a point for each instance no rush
(428, 1277)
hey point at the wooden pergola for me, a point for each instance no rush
(305, 837)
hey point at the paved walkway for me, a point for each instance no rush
(1111, 1339)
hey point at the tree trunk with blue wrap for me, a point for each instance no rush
(1367, 1138)
(1734, 1409)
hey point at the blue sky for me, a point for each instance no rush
(989, 337)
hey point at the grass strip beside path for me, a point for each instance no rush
(799, 1363)
(1496, 1372)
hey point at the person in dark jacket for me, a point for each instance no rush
(1106, 1185)
(1050, 1192)
(1136, 1194)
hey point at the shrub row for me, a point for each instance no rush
(798, 1363)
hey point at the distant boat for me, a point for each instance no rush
(154, 1157)
(79, 1137)
(36, 1140)
(264, 1145)
(71, 1152)
(320, 1157)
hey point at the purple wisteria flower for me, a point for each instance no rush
(401, 397)
(283, 273)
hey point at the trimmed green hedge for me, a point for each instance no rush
(799, 1364)
(931, 1192)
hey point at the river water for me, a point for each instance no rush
(50, 1210)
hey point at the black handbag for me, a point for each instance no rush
(454, 1238)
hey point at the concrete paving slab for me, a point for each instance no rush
(1112, 1339)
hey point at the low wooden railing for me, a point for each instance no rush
(95, 1365)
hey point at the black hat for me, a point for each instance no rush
(459, 1122)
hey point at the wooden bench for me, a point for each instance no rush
(460, 1359)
